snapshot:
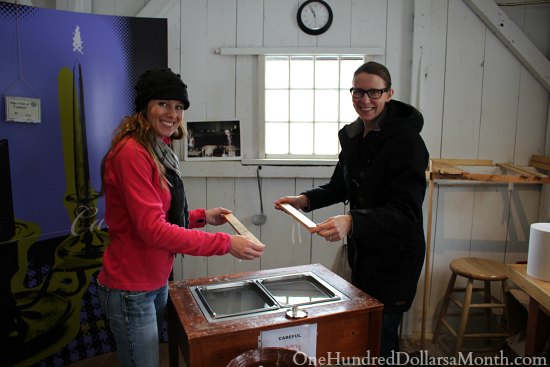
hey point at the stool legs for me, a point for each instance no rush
(465, 307)
(444, 306)
(505, 314)
(464, 315)
(488, 298)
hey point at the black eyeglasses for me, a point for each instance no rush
(372, 93)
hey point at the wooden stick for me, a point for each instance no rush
(540, 165)
(540, 158)
(427, 268)
(522, 171)
(305, 221)
(446, 168)
(491, 178)
(464, 162)
(240, 228)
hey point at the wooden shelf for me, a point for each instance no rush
(447, 169)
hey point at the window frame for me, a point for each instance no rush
(258, 156)
(261, 106)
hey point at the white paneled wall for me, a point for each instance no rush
(478, 101)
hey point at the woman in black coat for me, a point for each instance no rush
(381, 173)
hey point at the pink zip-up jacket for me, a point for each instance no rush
(143, 243)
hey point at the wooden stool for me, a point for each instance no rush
(473, 269)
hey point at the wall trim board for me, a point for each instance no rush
(268, 169)
(234, 51)
(513, 38)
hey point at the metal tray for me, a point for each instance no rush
(237, 299)
(298, 289)
(234, 299)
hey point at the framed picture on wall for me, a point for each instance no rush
(213, 140)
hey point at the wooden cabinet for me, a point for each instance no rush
(346, 328)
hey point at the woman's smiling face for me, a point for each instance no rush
(164, 116)
(367, 108)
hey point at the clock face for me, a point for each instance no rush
(314, 17)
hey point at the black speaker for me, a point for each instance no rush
(7, 220)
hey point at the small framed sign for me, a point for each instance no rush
(213, 140)
(23, 109)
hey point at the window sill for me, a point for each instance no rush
(271, 168)
(289, 162)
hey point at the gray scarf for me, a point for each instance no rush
(179, 212)
(166, 156)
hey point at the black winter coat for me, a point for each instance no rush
(382, 176)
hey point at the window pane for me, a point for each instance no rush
(276, 72)
(301, 138)
(301, 105)
(301, 72)
(347, 112)
(326, 105)
(307, 101)
(347, 68)
(326, 138)
(326, 72)
(276, 105)
(276, 138)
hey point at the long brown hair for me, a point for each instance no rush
(137, 126)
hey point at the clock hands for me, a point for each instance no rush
(312, 9)
(314, 15)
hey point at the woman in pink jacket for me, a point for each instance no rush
(148, 219)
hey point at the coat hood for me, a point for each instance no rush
(397, 117)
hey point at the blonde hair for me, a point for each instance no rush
(137, 126)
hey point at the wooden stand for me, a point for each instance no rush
(446, 169)
(349, 328)
(538, 319)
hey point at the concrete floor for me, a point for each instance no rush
(111, 359)
(444, 347)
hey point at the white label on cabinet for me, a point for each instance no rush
(302, 338)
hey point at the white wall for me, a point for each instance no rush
(477, 98)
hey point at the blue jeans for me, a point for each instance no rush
(390, 333)
(135, 319)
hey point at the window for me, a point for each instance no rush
(306, 102)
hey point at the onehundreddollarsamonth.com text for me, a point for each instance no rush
(423, 358)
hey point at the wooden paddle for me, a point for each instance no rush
(305, 221)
